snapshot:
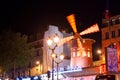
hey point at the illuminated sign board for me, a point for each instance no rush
(60, 72)
(29, 78)
(111, 59)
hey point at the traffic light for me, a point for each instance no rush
(48, 74)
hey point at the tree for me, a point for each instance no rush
(14, 50)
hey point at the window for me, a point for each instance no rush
(118, 32)
(113, 34)
(78, 53)
(104, 25)
(73, 54)
(113, 22)
(107, 35)
(118, 21)
(110, 23)
(37, 53)
(89, 54)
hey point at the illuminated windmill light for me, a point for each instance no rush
(80, 50)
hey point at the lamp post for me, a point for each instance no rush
(38, 63)
(29, 66)
(58, 62)
(50, 42)
(99, 52)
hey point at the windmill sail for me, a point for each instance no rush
(92, 29)
(72, 22)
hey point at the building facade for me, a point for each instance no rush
(36, 63)
(111, 34)
(74, 59)
(81, 63)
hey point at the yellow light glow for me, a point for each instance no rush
(53, 55)
(61, 56)
(91, 29)
(37, 62)
(49, 68)
(84, 53)
(99, 51)
(88, 54)
(71, 20)
(49, 41)
(103, 58)
(56, 38)
(78, 53)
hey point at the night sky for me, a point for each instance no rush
(32, 16)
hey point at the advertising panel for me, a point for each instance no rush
(111, 59)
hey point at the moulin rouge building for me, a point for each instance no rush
(83, 60)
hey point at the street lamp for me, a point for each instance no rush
(99, 52)
(50, 41)
(58, 62)
(38, 63)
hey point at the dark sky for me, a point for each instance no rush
(32, 16)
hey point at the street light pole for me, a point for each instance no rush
(29, 68)
(61, 58)
(39, 65)
(57, 71)
(52, 68)
(50, 42)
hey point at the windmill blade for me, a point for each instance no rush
(72, 22)
(80, 46)
(79, 42)
(64, 40)
(92, 29)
